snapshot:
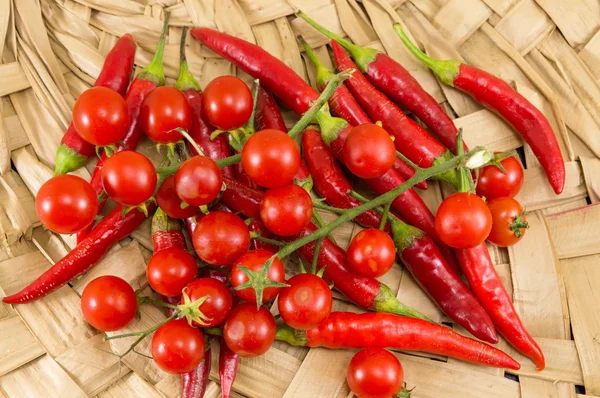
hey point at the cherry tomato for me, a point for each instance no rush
(494, 183)
(306, 302)
(271, 158)
(66, 204)
(371, 253)
(163, 111)
(220, 238)
(508, 222)
(463, 220)
(217, 305)
(369, 151)
(375, 373)
(227, 102)
(254, 260)
(101, 116)
(286, 210)
(129, 178)
(170, 270)
(170, 203)
(177, 347)
(108, 303)
(249, 332)
(198, 181)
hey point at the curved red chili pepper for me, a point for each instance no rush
(259, 227)
(166, 232)
(228, 366)
(194, 383)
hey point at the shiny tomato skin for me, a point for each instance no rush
(254, 260)
(163, 111)
(220, 238)
(170, 203)
(306, 302)
(369, 151)
(66, 204)
(129, 178)
(463, 220)
(249, 332)
(170, 270)
(108, 303)
(271, 158)
(198, 181)
(286, 210)
(101, 116)
(375, 373)
(227, 102)
(494, 183)
(177, 347)
(371, 253)
(504, 212)
(218, 304)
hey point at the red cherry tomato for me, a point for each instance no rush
(101, 116)
(198, 181)
(217, 305)
(170, 203)
(254, 260)
(375, 373)
(249, 332)
(508, 222)
(170, 270)
(306, 302)
(66, 204)
(494, 183)
(271, 158)
(371, 253)
(108, 303)
(227, 102)
(463, 220)
(369, 151)
(129, 178)
(220, 238)
(286, 210)
(177, 347)
(163, 111)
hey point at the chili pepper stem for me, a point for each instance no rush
(68, 159)
(291, 336)
(188, 137)
(257, 236)
(323, 74)
(185, 80)
(155, 71)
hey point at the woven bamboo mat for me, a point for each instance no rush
(52, 50)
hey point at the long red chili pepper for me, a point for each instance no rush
(228, 366)
(499, 97)
(166, 232)
(350, 330)
(73, 151)
(487, 286)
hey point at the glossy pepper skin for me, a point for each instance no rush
(228, 366)
(166, 232)
(487, 286)
(381, 330)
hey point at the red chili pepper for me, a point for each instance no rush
(74, 151)
(228, 366)
(370, 330)
(487, 286)
(194, 383)
(499, 97)
(258, 227)
(84, 256)
(166, 232)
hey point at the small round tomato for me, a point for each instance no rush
(129, 178)
(66, 204)
(170, 270)
(369, 151)
(108, 303)
(177, 347)
(254, 260)
(217, 305)
(163, 111)
(375, 373)
(198, 181)
(170, 203)
(494, 183)
(508, 222)
(286, 210)
(227, 102)
(371, 253)
(271, 158)
(306, 302)
(101, 116)
(249, 332)
(463, 220)
(220, 238)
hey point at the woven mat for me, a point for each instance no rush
(52, 50)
